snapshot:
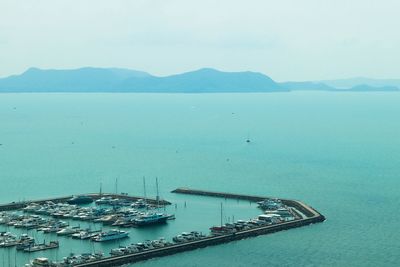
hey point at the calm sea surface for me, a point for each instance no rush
(338, 152)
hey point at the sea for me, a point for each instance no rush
(336, 151)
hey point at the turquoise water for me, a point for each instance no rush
(339, 152)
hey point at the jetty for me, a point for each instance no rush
(311, 216)
(64, 199)
(307, 210)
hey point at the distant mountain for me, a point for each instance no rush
(368, 88)
(77, 80)
(205, 80)
(307, 86)
(320, 86)
(122, 80)
(352, 82)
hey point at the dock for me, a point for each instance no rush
(95, 196)
(312, 216)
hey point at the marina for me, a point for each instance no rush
(108, 210)
(291, 156)
(94, 196)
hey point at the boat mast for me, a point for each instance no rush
(101, 185)
(158, 196)
(116, 186)
(144, 190)
(221, 214)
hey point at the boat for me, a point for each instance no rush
(73, 259)
(150, 218)
(110, 235)
(41, 262)
(186, 237)
(24, 238)
(108, 219)
(139, 204)
(270, 204)
(68, 231)
(8, 243)
(86, 234)
(104, 200)
(22, 246)
(82, 199)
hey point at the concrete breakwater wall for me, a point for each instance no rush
(313, 216)
(188, 191)
(210, 241)
(307, 210)
(22, 204)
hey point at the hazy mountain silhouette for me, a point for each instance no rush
(122, 80)
(205, 80)
(352, 82)
(320, 86)
(77, 80)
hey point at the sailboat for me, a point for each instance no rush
(151, 217)
(222, 229)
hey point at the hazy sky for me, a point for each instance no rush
(287, 40)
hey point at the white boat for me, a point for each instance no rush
(40, 262)
(104, 200)
(68, 231)
(110, 235)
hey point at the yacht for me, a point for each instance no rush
(110, 235)
(104, 200)
(150, 218)
(80, 200)
(68, 231)
(41, 262)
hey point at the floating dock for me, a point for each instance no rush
(22, 204)
(312, 216)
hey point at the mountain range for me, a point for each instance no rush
(204, 80)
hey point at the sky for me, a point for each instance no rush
(285, 39)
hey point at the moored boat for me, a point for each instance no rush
(82, 199)
(40, 262)
(110, 235)
(150, 219)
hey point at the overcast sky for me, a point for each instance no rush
(287, 40)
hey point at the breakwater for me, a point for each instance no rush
(22, 204)
(312, 216)
(307, 210)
